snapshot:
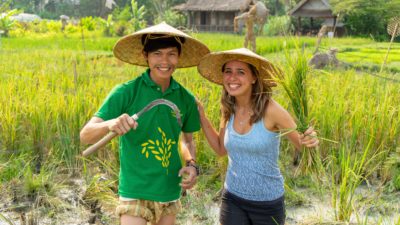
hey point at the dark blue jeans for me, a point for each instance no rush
(238, 211)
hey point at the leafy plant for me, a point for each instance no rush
(278, 25)
(6, 23)
(138, 22)
(165, 13)
(88, 23)
(107, 25)
(171, 17)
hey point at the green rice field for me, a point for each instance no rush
(51, 85)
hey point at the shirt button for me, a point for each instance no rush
(158, 89)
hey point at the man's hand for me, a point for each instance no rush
(189, 174)
(123, 124)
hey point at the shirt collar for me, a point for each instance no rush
(148, 81)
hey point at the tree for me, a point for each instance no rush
(365, 17)
(4, 5)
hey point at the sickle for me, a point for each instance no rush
(135, 116)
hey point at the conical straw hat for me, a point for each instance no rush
(129, 48)
(210, 66)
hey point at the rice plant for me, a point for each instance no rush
(348, 170)
(294, 82)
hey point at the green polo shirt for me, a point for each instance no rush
(149, 156)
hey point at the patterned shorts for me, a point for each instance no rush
(148, 210)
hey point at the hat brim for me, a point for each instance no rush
(210, 66)
(129, 48)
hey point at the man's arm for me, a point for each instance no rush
(97, 128)
(188, 150)
(188, 147)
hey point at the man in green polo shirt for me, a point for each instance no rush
(150, 164)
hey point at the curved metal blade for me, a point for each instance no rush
(161, 102)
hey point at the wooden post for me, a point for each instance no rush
(299, 24)
(390, 45)
(335, 18)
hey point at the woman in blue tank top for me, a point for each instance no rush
(249, 135)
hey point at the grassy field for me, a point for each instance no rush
(50, 85)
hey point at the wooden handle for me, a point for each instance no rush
(99, 144)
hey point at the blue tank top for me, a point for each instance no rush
(253, 171)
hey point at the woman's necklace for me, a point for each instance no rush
(241, 123)
(247, 115)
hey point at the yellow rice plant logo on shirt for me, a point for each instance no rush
(161, 150)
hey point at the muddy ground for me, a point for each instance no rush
(69, 207)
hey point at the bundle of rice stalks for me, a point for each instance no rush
(294, 81)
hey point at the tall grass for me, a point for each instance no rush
(348, 170)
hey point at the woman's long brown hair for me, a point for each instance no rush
(260, 94)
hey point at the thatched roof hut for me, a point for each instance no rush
(213, 15)
(314, 9)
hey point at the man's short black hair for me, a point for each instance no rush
(153, 42)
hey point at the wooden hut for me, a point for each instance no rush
(315, 9)
(212, 15)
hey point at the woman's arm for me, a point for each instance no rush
(214, 138)
(280, 119)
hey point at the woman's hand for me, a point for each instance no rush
(200, 107)
(309, 138)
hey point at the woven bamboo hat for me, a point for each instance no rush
(129, 48)
(210, 65)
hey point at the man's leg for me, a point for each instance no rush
(132, 220)
(134, 212)
(167, 220)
